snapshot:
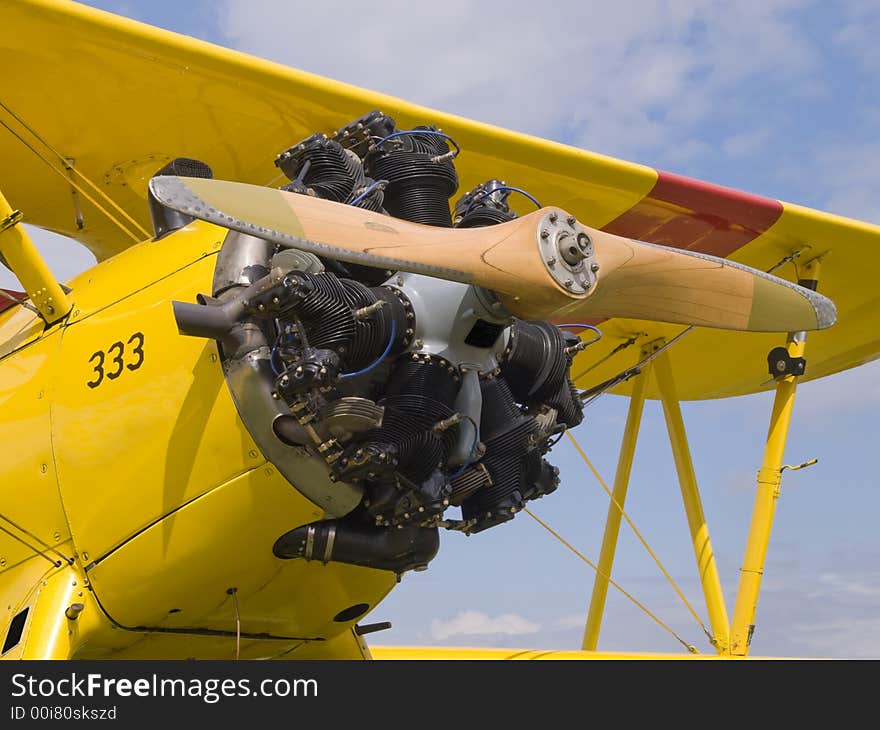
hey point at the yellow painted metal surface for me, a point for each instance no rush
(142, 265)
(26, 263)
(136, 461)
(147, 406)
(346, 645)
(18, 587)
(50, 633)
(163, 95)
(615, 510)
(768, 490)
(693, 505)
(116, 644)
(458, 653)
(18, 326)
(176, 574)
(29, 488)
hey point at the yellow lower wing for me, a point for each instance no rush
(459, 653)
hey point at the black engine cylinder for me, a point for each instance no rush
(420, 178)
(420, 394)
(323, 166)
(512, 459)
(327, 315)
(536, 365)
(485, 205)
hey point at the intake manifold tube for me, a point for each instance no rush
(214, 318)
(202, 320)
(411, 548)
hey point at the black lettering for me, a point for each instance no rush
(139, 350)
(99, 369)
(117, 359)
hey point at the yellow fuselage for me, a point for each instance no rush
(123, 449)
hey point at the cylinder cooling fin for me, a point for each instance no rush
(399, 403)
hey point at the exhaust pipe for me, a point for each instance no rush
(411, 548)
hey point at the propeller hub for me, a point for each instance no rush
(567, 252)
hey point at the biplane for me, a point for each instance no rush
(320, 331)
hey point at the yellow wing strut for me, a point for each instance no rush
(26, 263)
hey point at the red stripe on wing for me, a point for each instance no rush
(6, 303)
(685, 213)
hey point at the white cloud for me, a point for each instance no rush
(850, 172)
(571, 621)
(746, 144)
(837, 585)
(476, 623)
(854, 638)
(633, 79)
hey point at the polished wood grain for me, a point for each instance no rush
(635, 279)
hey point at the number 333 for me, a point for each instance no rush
(115, 360)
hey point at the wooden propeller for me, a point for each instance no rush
(545, 265)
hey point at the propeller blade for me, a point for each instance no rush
(640, 280)
(543, 265)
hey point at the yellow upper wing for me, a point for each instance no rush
(99, 103)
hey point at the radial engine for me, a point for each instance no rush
(398, 402)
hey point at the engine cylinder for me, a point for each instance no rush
(420, 183)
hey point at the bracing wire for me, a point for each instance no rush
(45, 544)
(622, 346)
(137, 227)
(55, 563)
(641, 538)
(692, 649)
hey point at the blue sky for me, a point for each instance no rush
(778, 98)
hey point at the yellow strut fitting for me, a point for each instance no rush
(769, 479)
(26, 263)
(615, 508)
(690, 493)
